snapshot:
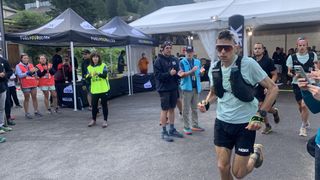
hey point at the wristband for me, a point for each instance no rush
(206, 104)
(257, 119)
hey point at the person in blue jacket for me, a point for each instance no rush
(190, 72)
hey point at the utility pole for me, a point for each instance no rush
(2, 40)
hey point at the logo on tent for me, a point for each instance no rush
(110, 30)
(54, 23)
(86, 25)
(68, 90)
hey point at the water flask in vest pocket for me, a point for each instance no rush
(240, 89)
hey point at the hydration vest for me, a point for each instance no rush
(240, 88)
(306, 66)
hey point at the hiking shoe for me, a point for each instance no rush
(165, 136)
(197, 128)
(257, 155)
(267, 130)
(187, 131)
(2, 139)
(37, 114)
(6, 129)
(104, 124)
(276, 117)
(28, 116)
(11, 123)
(174, 133)
(303, 132)
(92, 123)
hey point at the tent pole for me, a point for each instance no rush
(110, 56)
(131, 80)
(128, 69)
(73, 77)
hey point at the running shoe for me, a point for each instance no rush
(267, 130)
(187, 131)
(276, 117)
(165, 136)
(197, 128)
(303, 132)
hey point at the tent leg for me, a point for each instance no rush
(73, 77)
(128, 68)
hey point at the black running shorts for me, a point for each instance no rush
(168, 99)
(297, 92)
(234, 135)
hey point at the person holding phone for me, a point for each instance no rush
(29, 82)
(306, 60)
(311, 95)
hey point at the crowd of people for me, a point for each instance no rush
(244, 89)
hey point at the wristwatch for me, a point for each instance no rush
(262, 113)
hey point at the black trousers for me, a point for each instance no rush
(13, 94)
(104, 102)
(7, 106)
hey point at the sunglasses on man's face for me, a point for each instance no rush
(226, 48)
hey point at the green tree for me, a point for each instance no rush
(29, 19)
(17, 4)
(83, 7)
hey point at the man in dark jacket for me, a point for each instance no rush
(166, 69)
(5, 73)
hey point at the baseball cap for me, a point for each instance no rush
(189, 49)
(85, 51)
(165, 44)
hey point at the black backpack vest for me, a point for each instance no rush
(306, 67)
(240, 88)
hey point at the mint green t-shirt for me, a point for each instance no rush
(229, 108)
(302, 59)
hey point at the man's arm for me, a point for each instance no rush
(274, 75)
(272, 92)
(211, 97)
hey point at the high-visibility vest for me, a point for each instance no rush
(98, 84)
(28, 81)
(47, 79)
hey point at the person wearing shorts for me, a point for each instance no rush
(166, 69)
(26, 73)
(268, 66)
(46, 83)
(306, 60)
(237, 120)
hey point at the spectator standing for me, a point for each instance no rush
(121, 62)
(13, 91)
(166, 68)
(143, 64)
(46, 83)
(98, 76)
(190, 72)
(5, 73)
(29, 83)
(84, 67)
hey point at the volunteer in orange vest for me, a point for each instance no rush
(29, 82)
(46, 82)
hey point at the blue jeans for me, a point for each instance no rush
(317, 163)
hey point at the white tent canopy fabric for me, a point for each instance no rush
(205, 17)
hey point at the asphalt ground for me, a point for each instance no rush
(61, 146)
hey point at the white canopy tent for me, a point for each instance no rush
(206, 18)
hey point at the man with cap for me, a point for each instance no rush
(166, 68)
(190, 72)
(85, 63)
